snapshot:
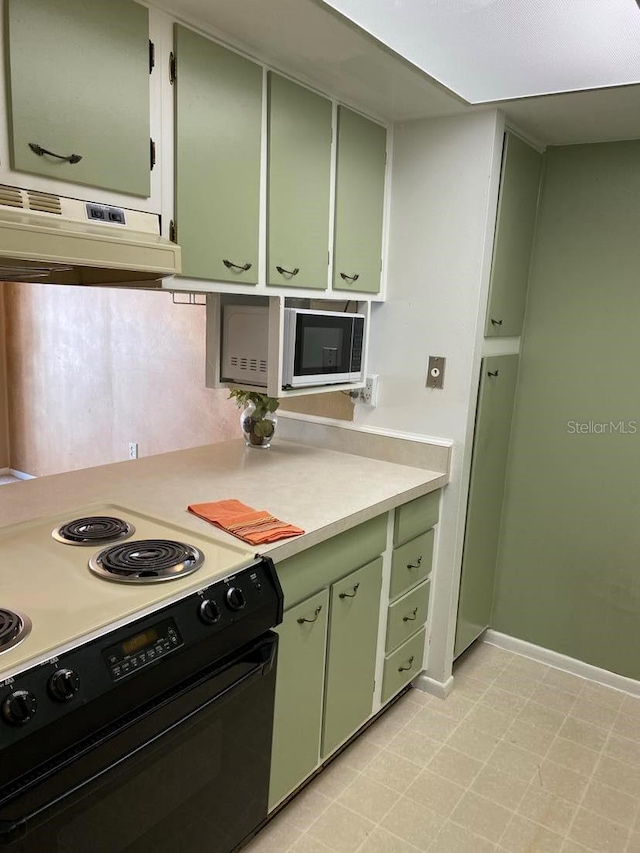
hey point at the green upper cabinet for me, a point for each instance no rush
(486, 493)
(513, 245)
(299, 185)
(351, 654)
(360, 179)
(78, 84)
(218, 142)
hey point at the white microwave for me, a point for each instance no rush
(322, 348)
(319, 347)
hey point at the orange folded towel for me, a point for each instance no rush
(254, 526)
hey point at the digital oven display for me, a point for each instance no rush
(142, 649)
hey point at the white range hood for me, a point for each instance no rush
(57, 240)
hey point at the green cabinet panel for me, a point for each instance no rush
(411, 563)
(78, 83)
(406, 615)
(360, 177)
(299, 688)
(402, 666)
(486, 492)
(299, 185)
(416, 516)
(218, 142)
(325, 563)
(351, 654)
(513, 245)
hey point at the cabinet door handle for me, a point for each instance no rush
(496, 322)
(350, 594)
(316, 613)
(40, 151)
(283, 271)
(230, 265)
(413, 616)
(493, 373)
(405, 668)
(415, 565)
(346, 277)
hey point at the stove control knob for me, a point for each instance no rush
(235, 598)
(209, 612)
(19, 707)
(64, 684)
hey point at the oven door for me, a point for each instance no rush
(188, 773)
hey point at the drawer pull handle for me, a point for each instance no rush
(350, 594)
(413, 616)
(496, 322)
(415, 565)
(230, 265)
(40, 151)
(292, 272)
(405, 668)
(316, 613)
(493, 373)
(346, 277)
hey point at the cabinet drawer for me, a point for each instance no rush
(323, 564)
(407, 615)
(401, 666)
(411, 563)
(416, 517)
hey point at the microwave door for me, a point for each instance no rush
(322, 350)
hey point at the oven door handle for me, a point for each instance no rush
(261, 655)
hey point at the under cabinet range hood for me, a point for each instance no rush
(57, 240)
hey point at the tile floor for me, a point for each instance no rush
(520, 758)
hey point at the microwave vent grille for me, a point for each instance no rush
(254, 365)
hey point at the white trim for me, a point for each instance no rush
(563, 662)
(19, 475)
(440, 689)
(372, 430)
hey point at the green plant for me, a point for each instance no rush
(256, 424)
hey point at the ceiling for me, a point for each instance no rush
(494, 50)
(317, 45)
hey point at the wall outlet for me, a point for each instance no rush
(133, 450)
(369, 394)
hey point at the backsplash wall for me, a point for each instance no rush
(91, 369)
(4, 417)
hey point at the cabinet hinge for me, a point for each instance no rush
(152, 153)
(173, 68)
(152, 56)
(173, 232)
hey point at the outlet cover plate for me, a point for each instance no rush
(435, 371)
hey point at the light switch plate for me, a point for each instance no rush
(435, 372)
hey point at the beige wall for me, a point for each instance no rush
(91, 369)
(4, 419)
(332, 405)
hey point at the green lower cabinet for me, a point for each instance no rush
(351, 653)
(299, 689)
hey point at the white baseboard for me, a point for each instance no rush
(20, 475)
(560, 661)
(441, 689)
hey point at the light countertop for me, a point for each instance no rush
(323, 491)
